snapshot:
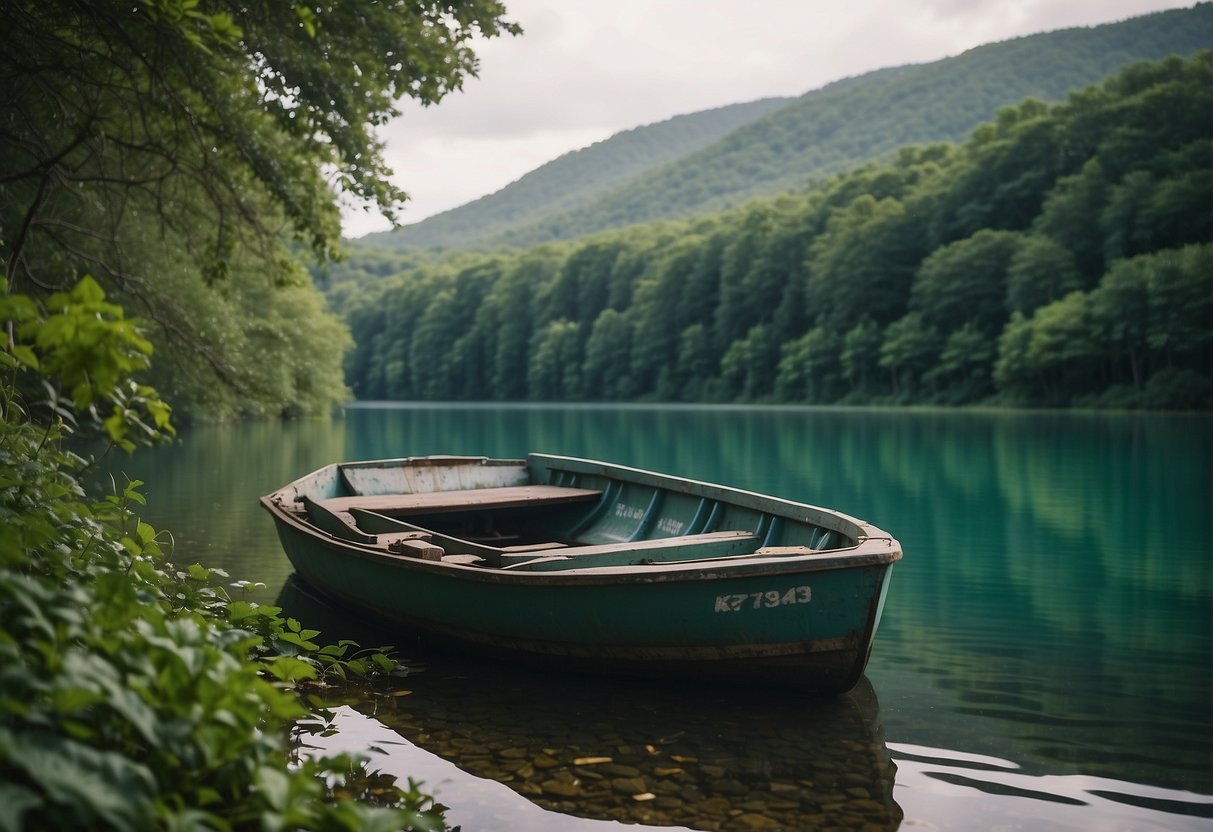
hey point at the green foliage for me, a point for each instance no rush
(1150, 316)
(909, 350)
(962, 373)
(245, 347)
(88, 346)
(965, 282)
(1040, 271)
(606, 373)
(991, 271)
(712, 161)
(553, 373)
(809, 368)
(859, 357)
(135, 694)
(187, 152)
(747, 369)
(863, 264)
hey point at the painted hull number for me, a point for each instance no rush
(763, 600)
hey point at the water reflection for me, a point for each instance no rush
(702, 757)
(943, 784)
(1053, 607)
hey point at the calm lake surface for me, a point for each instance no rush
(1045, 661)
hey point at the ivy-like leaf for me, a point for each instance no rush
(288, 669)
(15, 800)
(100, 785)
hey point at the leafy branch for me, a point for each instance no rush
(135, 694)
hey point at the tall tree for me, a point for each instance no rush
(864, 263)
(608, 358)
(1070, 217)
(910, 348)
(217, 131)
(1041, 271)
(965, 282)
(554, 372)
(963, 372)
(860, 356)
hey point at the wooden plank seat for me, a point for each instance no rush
(382, 525)
(340, 524)
(684, 547)
(398, 536)
(558, 555)
(412, 543)
(475, 499)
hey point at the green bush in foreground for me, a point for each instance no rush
(133, 694)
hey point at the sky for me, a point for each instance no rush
(584, 70)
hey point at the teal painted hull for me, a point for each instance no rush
(779, 614)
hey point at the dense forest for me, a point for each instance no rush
(661, 172)
(192, 186)
(1062, 255)
(163, 165)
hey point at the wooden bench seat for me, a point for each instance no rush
(476, 499)
(350, 519)
(338, 523)
(381, 524)
(344, 526)
(684, 547)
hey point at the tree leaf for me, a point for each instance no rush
(97, 785)
(14, 801)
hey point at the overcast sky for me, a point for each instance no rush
(584, 70)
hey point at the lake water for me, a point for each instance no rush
(1045, 661)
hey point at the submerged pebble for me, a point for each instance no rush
(664, 756)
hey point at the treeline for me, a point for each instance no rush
(834, 129)
(628, 179)
(1062, 255)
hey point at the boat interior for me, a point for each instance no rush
(539, 517)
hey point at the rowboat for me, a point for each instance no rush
(595, 565)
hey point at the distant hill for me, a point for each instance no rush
(578, 177)
(1061, 255)
(705, 162)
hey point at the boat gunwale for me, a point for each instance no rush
(874, 552)
(806, 512)
(875, 548)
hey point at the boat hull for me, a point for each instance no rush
(617, 570)
(810, 628)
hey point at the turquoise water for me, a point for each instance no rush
(1045, 657)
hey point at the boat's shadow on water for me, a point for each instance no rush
(695, 755)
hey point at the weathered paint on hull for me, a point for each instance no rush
(811, 628)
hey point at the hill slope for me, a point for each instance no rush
(823, 132)
(1062, 255)
(578, 177)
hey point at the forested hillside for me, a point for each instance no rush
(823, 132)
(577, 177)
(1063, 254)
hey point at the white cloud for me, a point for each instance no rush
(475, 166)
(585, 70)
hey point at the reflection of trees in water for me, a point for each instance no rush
(1052, 580)
(1054, 588)
(203, 488)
